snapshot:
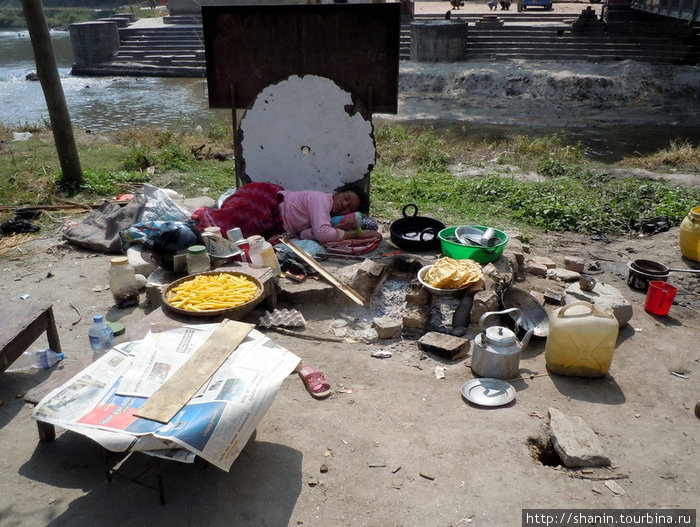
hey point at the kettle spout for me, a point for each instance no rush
(526, 339)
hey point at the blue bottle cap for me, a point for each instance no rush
(61, 356)
(97, 318)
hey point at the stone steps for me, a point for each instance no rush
(177, 50)
(162, 51)
(492, 37)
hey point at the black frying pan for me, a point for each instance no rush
(416, 233)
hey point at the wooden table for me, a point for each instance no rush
(21, 323)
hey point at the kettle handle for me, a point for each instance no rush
(504, 312)
(563, 310)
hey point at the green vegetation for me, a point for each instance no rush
(531, 184)
(57, 17)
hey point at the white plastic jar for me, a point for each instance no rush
(197, 259)
(123, 282)
(262, 254)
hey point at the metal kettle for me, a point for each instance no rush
(496, 351)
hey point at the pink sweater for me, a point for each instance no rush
(306, 214)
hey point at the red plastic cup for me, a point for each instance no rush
(660, 296)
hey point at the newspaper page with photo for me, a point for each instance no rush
(215, 424)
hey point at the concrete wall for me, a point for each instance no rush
(438, 40)
(93, 42)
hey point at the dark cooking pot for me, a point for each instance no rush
(416, 233)
(641, 272)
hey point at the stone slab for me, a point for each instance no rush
(605, 296)
(574, 441)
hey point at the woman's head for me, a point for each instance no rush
(349, 198)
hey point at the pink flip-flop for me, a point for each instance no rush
(315, 382)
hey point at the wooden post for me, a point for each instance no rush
(53, 93)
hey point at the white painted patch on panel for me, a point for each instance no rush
(306, 132)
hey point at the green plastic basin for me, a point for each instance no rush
(465, 252)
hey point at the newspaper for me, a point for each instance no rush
(100, 401)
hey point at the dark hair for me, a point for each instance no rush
(364, 198)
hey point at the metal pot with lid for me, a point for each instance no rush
(496, 351)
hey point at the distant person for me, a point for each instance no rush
(505, 5)
(493, 5)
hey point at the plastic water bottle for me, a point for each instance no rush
(39, 359)
(101, 335)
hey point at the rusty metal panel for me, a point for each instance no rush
(249, 47)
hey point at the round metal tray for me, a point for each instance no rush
(488, 392)
(229, 311)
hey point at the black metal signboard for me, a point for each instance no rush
(249, 47)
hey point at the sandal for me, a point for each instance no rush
(315, 382)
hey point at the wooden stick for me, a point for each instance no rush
(347, 290)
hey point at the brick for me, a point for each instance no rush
(574, 264)
(416, 317)
(387, 327)
(444, 345)
(535, 269)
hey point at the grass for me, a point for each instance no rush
(679, 154)
(562, 191)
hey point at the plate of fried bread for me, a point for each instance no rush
(449, 277)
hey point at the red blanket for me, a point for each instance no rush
(253, 208)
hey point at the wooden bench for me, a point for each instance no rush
(21, 323)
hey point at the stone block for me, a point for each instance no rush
(484, 301)
(444, 345)
(416, 317)
(543, 260)
(417, 295)
(367, 335)
(308, 291)
(553, 297)
(535, 269)
(387, 327)
(605, 296)
(574, 442)
(363, 277)
(573, 263)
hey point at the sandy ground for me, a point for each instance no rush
(402, 447)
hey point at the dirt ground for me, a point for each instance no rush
(401, 447)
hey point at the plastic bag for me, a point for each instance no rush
(161, 207)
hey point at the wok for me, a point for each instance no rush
(534, 316)
(416, 233)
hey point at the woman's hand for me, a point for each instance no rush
(370, 234)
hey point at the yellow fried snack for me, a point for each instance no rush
(207, 292)
(441, 272)
(448, 273)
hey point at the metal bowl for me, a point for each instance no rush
(436, 290)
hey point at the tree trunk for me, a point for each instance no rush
(53, 93)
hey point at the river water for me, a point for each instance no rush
(112, 103)
(97, 103)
